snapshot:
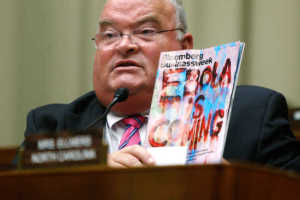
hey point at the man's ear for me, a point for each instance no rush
(187, 42)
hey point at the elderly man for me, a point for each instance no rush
(143, 29)
(131, 36)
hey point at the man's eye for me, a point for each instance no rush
(109, 35)
(147, 32)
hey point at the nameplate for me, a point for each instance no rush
(63, 149)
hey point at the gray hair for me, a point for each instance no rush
(180, 18)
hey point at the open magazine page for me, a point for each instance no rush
(192, 100)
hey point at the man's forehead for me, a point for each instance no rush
(139, 10)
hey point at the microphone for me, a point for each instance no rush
(121, 94)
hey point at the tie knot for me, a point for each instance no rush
(136, 121)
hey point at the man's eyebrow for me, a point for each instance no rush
(143, 20)
(105, 23)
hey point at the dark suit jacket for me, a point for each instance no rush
(258, 132)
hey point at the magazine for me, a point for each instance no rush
(192, 99)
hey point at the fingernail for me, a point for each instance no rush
(151, 161)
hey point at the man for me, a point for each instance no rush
(131, 35)
(132, 62)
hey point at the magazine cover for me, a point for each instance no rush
(192, 98)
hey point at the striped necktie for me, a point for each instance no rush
(132, 136)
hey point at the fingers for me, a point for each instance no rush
(123, 160)
(132, 156)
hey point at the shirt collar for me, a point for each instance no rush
(113, 118)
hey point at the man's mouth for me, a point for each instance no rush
(126, 64)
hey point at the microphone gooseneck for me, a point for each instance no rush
(121, 94)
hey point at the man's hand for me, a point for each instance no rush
(132, 156)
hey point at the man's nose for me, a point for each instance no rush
(127, 45)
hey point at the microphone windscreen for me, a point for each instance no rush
(121, 94)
